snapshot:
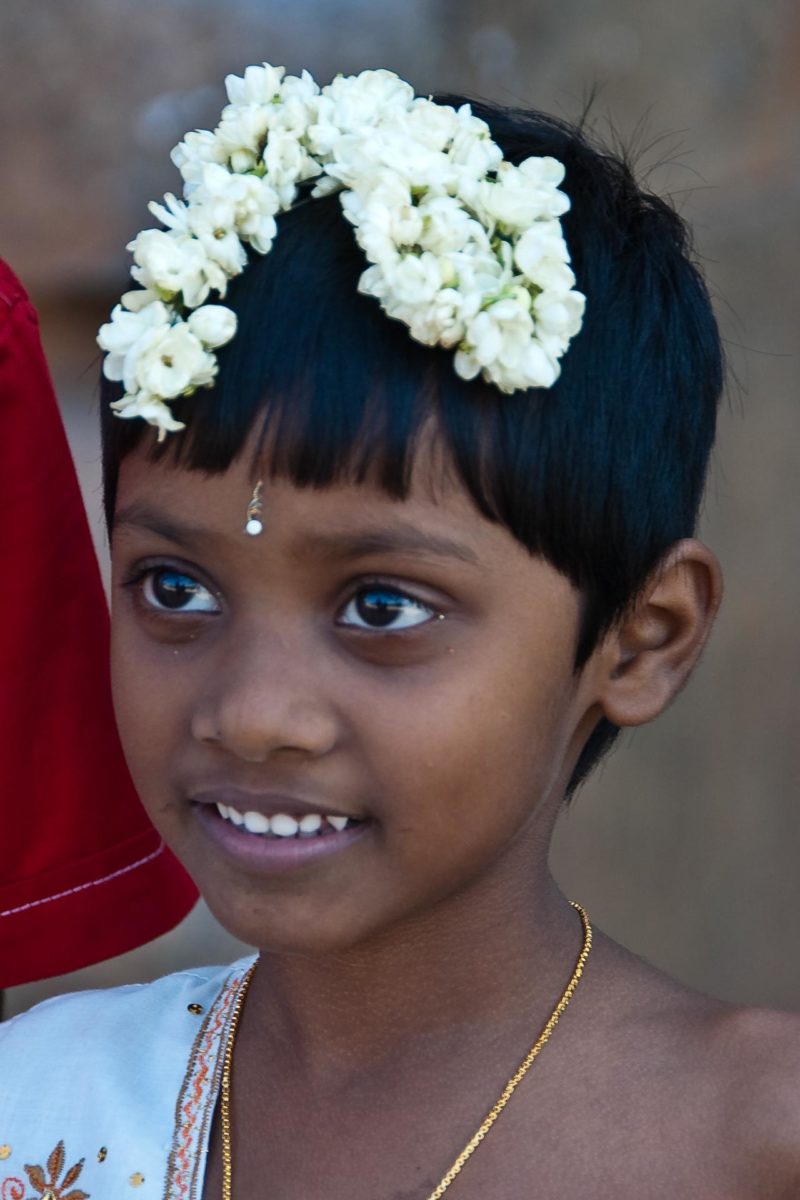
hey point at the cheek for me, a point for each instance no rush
(467, 754)
(148, 696)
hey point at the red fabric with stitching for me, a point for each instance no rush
(83, 874)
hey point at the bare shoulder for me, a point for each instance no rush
(747, 1066)
(757, 1055)
(718, 1079)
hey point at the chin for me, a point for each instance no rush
(292, 926)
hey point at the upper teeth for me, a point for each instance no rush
(281, 824)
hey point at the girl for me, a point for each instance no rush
(411, 540)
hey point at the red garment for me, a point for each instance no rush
(83, 874)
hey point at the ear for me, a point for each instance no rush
(647, 657)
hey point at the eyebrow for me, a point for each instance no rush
(400, 538)
(140, 516)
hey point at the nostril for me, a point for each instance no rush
(205, 730)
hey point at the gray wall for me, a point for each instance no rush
(685, 846)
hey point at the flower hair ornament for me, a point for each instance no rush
(464, 248)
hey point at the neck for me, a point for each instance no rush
(489, 958)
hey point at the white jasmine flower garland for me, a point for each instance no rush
(466, 249)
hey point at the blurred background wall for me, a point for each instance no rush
(685, 847)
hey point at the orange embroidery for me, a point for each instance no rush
(12, 1189)
(192, 1113)
(49, 1188)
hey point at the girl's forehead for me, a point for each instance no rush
(437, 515)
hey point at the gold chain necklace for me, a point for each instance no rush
(477, 1137)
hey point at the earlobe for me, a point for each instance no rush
(646, 659)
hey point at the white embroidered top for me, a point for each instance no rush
(109, 1094)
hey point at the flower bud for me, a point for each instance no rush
(213, 325)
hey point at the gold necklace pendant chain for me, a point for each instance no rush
(225, 1087)
(526, 1064)
(476, 1139)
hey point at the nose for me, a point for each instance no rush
(266, 700)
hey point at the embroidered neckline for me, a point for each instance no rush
(197, 1098)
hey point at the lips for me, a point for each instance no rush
(267, 831)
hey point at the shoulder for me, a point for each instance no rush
(113, 1088)
(738, 1083)
(719, 1080)
(756, 1053)
(141, 1032)
(11, 290)
(105, 1011)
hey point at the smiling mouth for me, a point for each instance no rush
(285, 826)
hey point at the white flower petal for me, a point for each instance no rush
(150, 409)
(213, 325)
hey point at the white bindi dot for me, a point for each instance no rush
(253, 527)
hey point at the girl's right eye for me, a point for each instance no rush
(166, 589)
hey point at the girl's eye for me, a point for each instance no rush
(169, 590)
(385, 608)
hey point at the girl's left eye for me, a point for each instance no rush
(169, 590)
(379, 607)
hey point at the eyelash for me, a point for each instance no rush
(377, 586)
(140, 578)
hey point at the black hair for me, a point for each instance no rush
(599, 474)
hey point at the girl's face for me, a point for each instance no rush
(402, 669)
